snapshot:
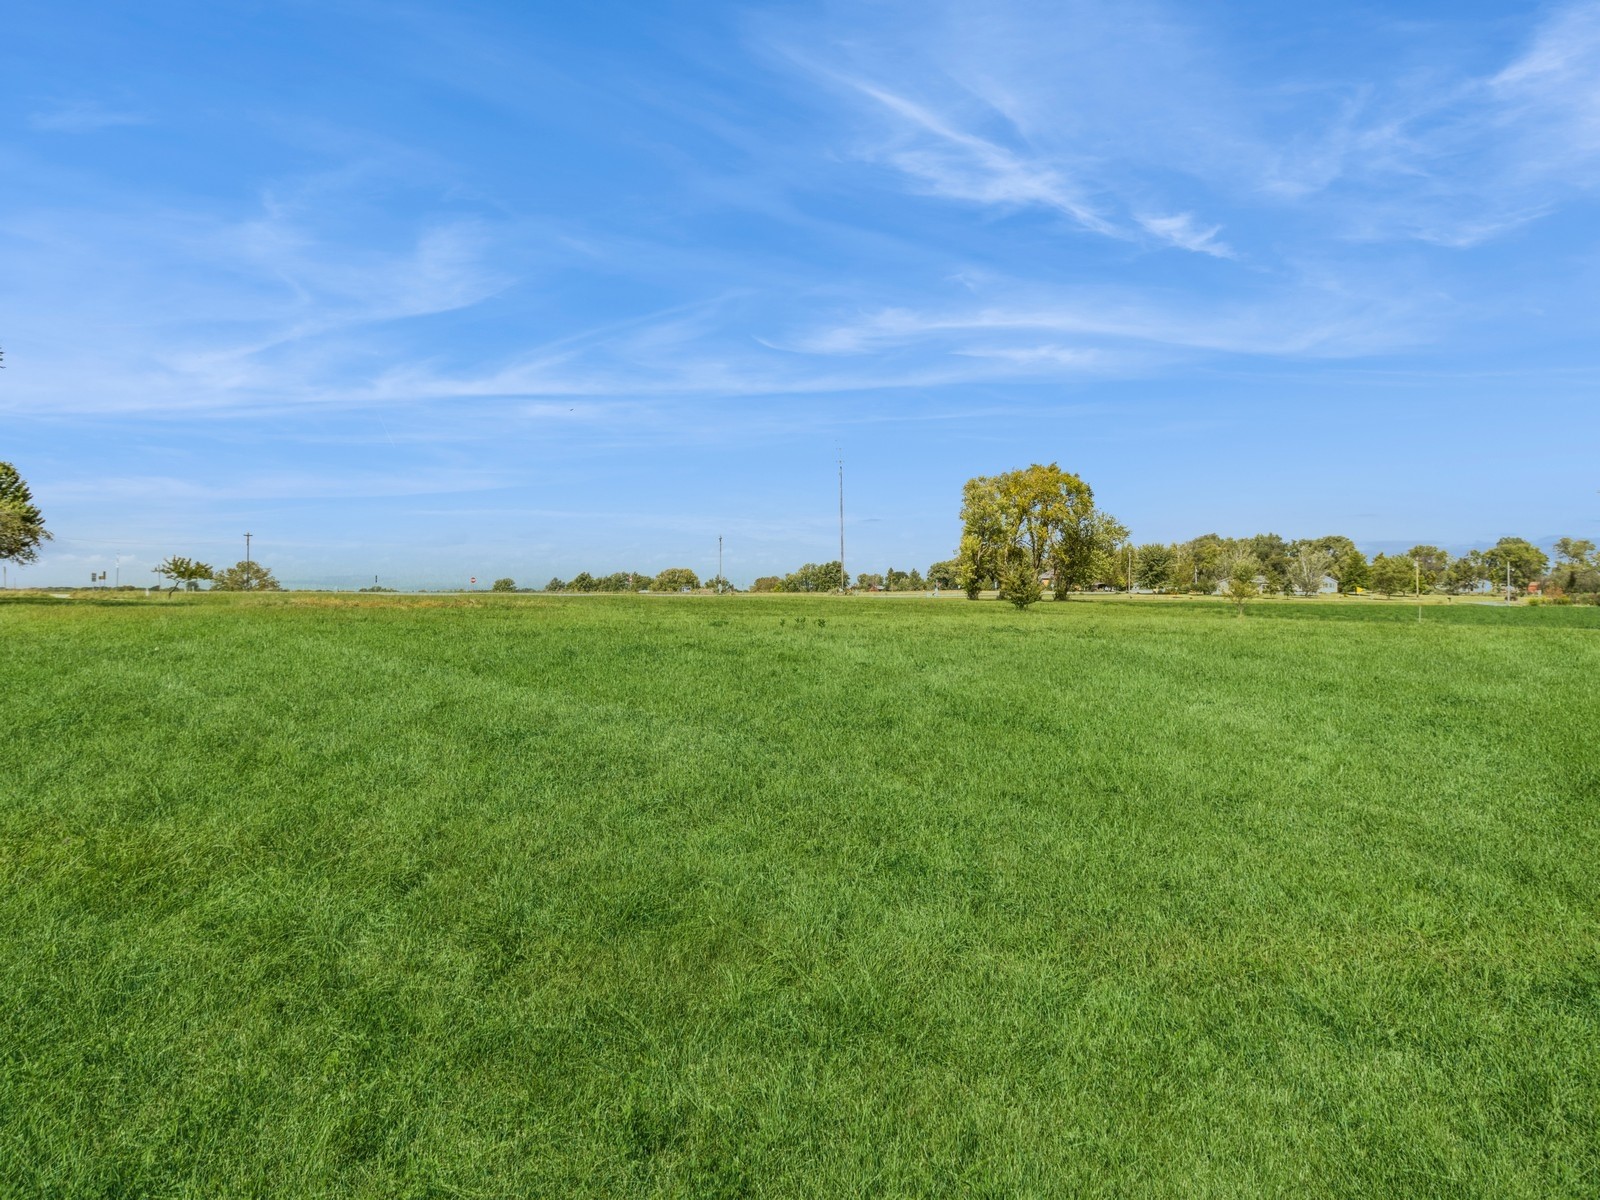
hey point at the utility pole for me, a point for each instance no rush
(719, 564)
(844, 577)
(247, 559)
(1416, 566)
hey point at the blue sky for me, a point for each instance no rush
(431, 291)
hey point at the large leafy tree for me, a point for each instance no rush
(1520, 559)
(1040, 516)
(246, 577)
(21, 524)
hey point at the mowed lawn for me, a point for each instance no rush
(798, 897)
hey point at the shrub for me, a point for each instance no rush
(1020, 584)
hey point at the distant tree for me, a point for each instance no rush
(244, 577)
(1571, 552)
(1431, 565)
(720, 585)
(1152, 566)
(896, 581)
(1352, 570)
(1198, 564)
(1526, 562)
(915, 582)
(674, 579)
(868, 580)
(1577, 567)
(815, 577)
(1467, 573)
(946, 574)
(1335, 544)
(1393, 575)
(503, 585)
(1019, 582)
(21, 524)
(1272, 552)
(767, 583)
(183, 572)
(1240, 587)
(556, 584)
(1309, 567)
(582, 582)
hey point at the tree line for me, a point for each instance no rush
(1025, 533)
(673, 579)
(1310, 566)
(1037, 528)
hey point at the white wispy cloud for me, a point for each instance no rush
(1027, 105)
(955, 163)
(82, 116)
(1181, 230)
(1459, 158)
(1021, 108)
(1104, 325)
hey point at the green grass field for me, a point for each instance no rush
(789, 897)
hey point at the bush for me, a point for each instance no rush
(1020, 584)
(503, 585)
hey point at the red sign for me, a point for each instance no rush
(474, 579)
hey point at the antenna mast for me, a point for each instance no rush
(844, 578)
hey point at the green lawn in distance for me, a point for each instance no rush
(797, 897)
